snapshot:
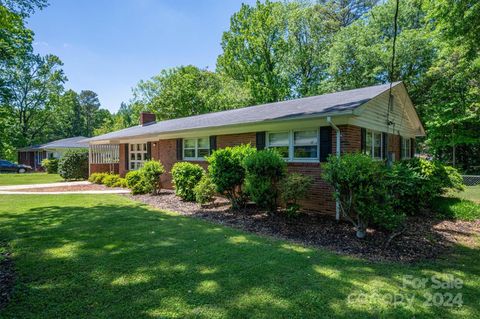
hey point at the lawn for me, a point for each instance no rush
(85, 256)
(471, 193)
(28, 178)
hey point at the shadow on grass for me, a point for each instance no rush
(125, 260)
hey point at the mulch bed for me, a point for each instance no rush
(67, 188)
(7, 277)
(424, 237)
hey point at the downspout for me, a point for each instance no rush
(337, 130)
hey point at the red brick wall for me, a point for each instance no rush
(121, 165)
(320, 198)
(236, 139)
(104, 168)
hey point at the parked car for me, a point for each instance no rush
(7, 166)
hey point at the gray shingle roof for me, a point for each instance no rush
(71, 142)
(291, 109)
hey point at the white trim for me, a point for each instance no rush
(137, 162)
(291, 145)
(196, 148)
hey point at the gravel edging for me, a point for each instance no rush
(424, 238)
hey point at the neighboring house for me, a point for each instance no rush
(33, 155)
(305, 131)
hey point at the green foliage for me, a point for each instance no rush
(136, 183)
(74, 165)
(97, 178)
(121, 182)
(111, 180)
(50, 165)
(188, 90)
(204, 190)
(228, 173)
(185, 176)
(264, 172)
(294, 188)
(358, 183)
(145, 180)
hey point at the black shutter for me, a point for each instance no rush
(260, 140)
(179, 149)
(213, 143)
(148, 156)
(325, 142)
(126, 156)
(385, 145)
(412, 147)
(363, 140)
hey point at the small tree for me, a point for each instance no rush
(74, 165)
(264, 171)
(228, 173)
(185, 177)
(359, 187)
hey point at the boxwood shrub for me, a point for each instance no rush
(50, 165)
(185, 176)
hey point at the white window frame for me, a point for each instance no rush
(406, 148)
(196, 157)
(135, 163)
(291, 145)
(372, 150)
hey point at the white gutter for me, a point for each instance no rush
(329, 120)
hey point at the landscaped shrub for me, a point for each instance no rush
(136, 183)
(121, 182)
(74, 165)
(50, 165)
(228, 173)
(421, 181)
(146, 179)
(359, 186)
(97, 178)
(264, 171)
(205, 190)
(405, 186)
(293, 188)
(185, 176)
(151, 172)
(111, 180)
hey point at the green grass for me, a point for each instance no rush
(28, 178)
(463, 205)
(87, 256)
(471, 193)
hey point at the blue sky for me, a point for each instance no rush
(109, 45)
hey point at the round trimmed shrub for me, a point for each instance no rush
(264, 171)
(97, 178)
(185, 176)
(74, 165)
(228, 173)
(205, 190)
(50, 165)
(151, 172)
(293, 188)
(136, 183)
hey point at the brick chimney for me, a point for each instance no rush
(147, 118)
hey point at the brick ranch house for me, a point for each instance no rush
(305, 131)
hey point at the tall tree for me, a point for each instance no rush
(90, 105)
(188, 90)
(23, 8)
(253, 49)
(33, 82)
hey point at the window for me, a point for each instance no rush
(406, 148)
(295, 145)
(138, 155)
(196, 148)
(373, 144)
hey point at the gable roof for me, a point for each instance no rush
(71, 142)
(314, 106)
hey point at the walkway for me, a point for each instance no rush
(66, 188)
